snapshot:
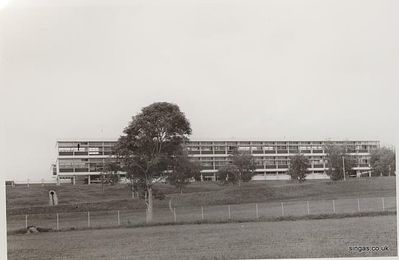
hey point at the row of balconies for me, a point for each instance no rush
(255, 143)
(203, 152)
(273, 152)
(209, 167)
(84, 153)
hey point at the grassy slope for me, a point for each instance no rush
(81, 198)
(288, 191)
(315, 238)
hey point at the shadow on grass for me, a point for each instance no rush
(199, 222)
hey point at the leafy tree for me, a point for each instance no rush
(245, 164)
(182, 170)
(383, 162)
(109, 173)
(241, 169)
(298, 169)
(228, 174)
(112, 168)
(149, 143)
(129, 169)
(337, 157)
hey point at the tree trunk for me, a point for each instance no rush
(149, 205)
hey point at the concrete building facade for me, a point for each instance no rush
(83, 161)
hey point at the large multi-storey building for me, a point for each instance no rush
(85, 160)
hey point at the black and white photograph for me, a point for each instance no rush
(198, 129)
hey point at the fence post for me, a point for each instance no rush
(88, 218)
(58, 222)
(383, 204)
(307, 205)
(119, 220)
(334, 206)
(257, 210)
(358, 204)
(282, 209)
(202, 212)
(229, 211)
(174, 214)
(26, 221)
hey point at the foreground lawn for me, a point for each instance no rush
(286, 239)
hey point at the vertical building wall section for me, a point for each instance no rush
(83, 160)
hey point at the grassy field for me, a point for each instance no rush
(293, 239)
(21, 200)
(244, 211)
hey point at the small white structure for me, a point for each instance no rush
(53, 200)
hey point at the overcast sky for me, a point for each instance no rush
(238, 69)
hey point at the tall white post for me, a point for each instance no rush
(88, 218)
(119, 220)
(334, 206)
(58, 222)
(383, 204)
(264, 168)
(174, 214)
(202, 213)
(343, 166)
(26, 221)
(257, 210)
(282, 209)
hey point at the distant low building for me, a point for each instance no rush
(10, 183)
(83, 161)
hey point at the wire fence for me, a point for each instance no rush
(90, 219)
